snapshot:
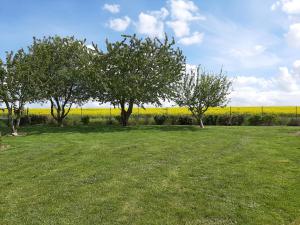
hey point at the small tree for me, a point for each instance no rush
(137, 72)
(200, 90)
(60, 66)
(16, 86)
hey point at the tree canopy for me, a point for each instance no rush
(60, 66)
(16, 86)
(200, 90)
(137, 72)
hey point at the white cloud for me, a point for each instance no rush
(195, 38)
(162, 13)
(287, 6)
(283, 89)
(180, 28)
(293, 35)
(275, 5)
(183, 12)
(248, 52)
(296, 66)
(119, 24)
(151, 23)
(113, 8)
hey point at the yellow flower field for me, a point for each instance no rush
(94, 112)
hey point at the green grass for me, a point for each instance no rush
(151, 175)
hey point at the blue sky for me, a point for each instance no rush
(257, 42)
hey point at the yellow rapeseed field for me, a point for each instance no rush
(94, 112)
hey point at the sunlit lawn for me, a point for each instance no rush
(151, 175)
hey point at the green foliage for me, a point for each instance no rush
(230, 120)
(200, 90)
(85, 120)
(160, 119)
(59, 66)
(255, 120)
(185, 120)
(119, 119)
(294, 122)
(136, 71)
(16, 86)
(33, 120)
(25, 120)
(264, 120)
(210, 119)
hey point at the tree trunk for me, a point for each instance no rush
(126, 114)
(11, 122)
(124, 118)
(58, 116)
(200, 120)
(60, 121)
(201, 123)
(18, 120)
(14, 131)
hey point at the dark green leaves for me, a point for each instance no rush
(142, 71)
(60, 66)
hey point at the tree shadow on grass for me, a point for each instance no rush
(42, 129)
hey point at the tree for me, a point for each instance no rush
(60, 66)
(16, 86)
(200, 90)
(137, 72)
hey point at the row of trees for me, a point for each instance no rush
(133, 71)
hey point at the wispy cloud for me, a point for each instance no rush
(195, 38)
(283, 89)
(112, 8)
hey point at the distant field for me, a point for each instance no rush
(168, 175)
(278, 110)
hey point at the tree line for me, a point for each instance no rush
(133, 71)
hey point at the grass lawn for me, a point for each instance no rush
(151, 175)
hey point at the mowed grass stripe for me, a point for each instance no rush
(151, 175)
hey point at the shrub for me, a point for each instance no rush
(25, 120)
(185, 120)
(237, 120)
(38, 119)
(109, 122)
(119, 119)
(294, 122)
(255, 120)
(51, 121)
(173, 120)
(33, 120)
(269, 120)
(265, 120)
(85, 120)
(224, 120)
(210, 120)
(146, 120)
(160, 119)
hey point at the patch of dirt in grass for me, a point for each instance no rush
(296, 222)
(296, 133)
(3, 147)
(283, 161)
(19, 135)
(216, 221)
